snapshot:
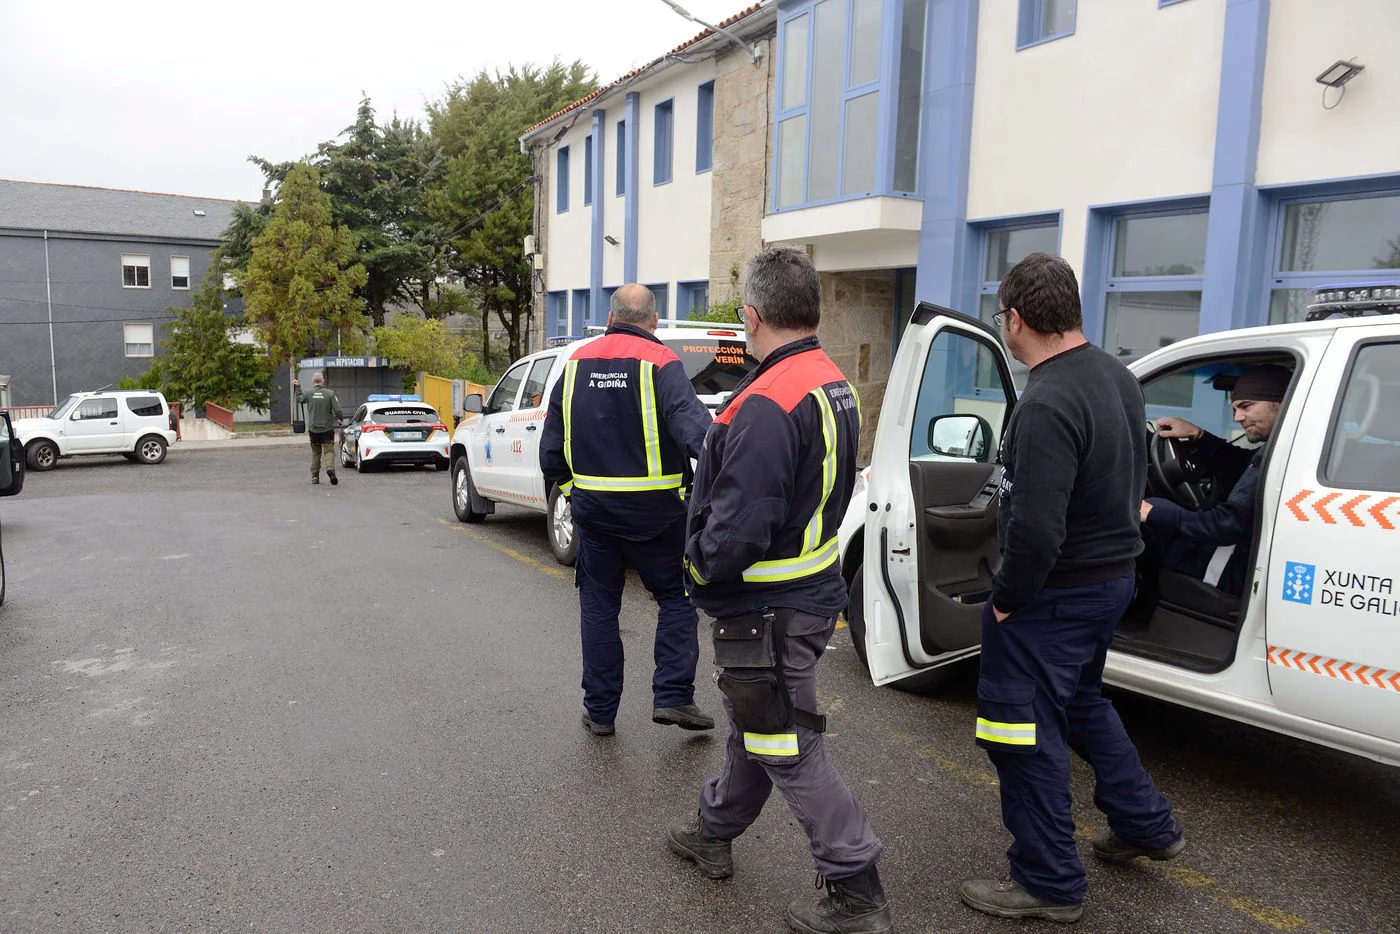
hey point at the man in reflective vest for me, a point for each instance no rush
(771, 487)
(624, 424)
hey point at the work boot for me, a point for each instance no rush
(686, 716)
(854, 905)
(1114, 849)
(1009, 900)
(331, 474)
(697, 843)
(598, 729)
(315, 478)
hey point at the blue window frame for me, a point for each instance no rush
(662, 291)
(1330, 236)
(621, 158)
(588, 170)
(582, 311)
(557, 314)
(1005, 243)
(692, 298)
(705, 127)
(1044, 21)
(665, 132)
(561, 180)
(1155, 271)
(1162, 3)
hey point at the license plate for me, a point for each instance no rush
(406, 435)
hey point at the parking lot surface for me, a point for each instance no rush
(235, 701)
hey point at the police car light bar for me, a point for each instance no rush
(392, 397)
(1354, 300)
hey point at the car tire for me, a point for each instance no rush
(362, 466)
(345, 459)
(442, 464)
(563, 537)
(464, 492)
(151, 450)
(933, 681)
(42, 455)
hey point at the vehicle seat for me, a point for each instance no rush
(1194, 597)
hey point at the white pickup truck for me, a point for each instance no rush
(495, 450)
(134, 423)
(1312, 647)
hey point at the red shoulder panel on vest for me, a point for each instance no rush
(788, 382)
(627, 347)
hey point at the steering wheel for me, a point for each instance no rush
(1174, 469)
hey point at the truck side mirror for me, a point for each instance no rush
(965, 436)
(473, 404)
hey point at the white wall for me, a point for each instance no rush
(566, 251)
(1124, 110)
(673, 219)
(1299, 140)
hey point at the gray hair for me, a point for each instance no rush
(318, 377)
(633, 304)
(785, 288)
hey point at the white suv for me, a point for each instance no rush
(135, 424)
(496, 449)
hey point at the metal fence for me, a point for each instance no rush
(27, 411)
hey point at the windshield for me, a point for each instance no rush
(63, 407)
(403, 415)
(714, 365)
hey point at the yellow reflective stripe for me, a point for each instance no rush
(1012, 734)
(566, 486)
(860, 414)
(771, 744)
(627, 484)
(570, 370)
(813, 536)
(651, 434)
(788, 569)
(694, 574)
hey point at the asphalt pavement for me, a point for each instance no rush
(230, 700)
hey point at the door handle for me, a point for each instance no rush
(900, 551)
(500, 431)
(531, 427)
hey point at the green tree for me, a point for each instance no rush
(300, 282)
(726, 311)
(202, 362)
(424, 345)
(486, 201)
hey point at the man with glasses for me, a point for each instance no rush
(772, 484)
(1075, 459)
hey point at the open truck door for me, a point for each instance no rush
(931, 526)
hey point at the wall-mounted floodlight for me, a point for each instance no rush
(610, 240)
(1336, 76)
(681, 11)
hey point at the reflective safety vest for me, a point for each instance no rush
(772, 487)
(622, 427)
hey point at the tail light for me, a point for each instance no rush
(432, 428)
(367, 427)
(721, 333)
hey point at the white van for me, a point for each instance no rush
(1311, 649)
(136, 424)
(496, 449)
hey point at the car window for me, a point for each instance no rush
(1364, 452)
(503, 397)
(1199, 393)
(4, 428)
(951, 385)
(713, 365)
(63, 408)
(533, 396)
(92, 409)
(405, 415)
(145, 405)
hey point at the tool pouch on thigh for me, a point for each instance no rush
(748, 650)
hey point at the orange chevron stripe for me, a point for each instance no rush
(1349, 510)
(1336, 669)
(1320, 507)
(1377, 512)
(1297, 501)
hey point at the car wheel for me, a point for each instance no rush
(933, 681)
(43, 455)
(151, 449)
(442, 464)
(464, 492)
(345, 460)
(562, 540)
(361, 466)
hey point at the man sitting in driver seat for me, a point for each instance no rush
(1190, 541)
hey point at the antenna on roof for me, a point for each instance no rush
(681, 11)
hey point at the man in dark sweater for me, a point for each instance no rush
(1075, 460)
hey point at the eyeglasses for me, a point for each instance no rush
(743, 314)
(999, 319)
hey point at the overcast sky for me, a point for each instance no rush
(173, 96)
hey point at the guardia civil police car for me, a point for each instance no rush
(394, 429)
(1311, 648)
(496, 448)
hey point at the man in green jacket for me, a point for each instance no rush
(322, 418)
